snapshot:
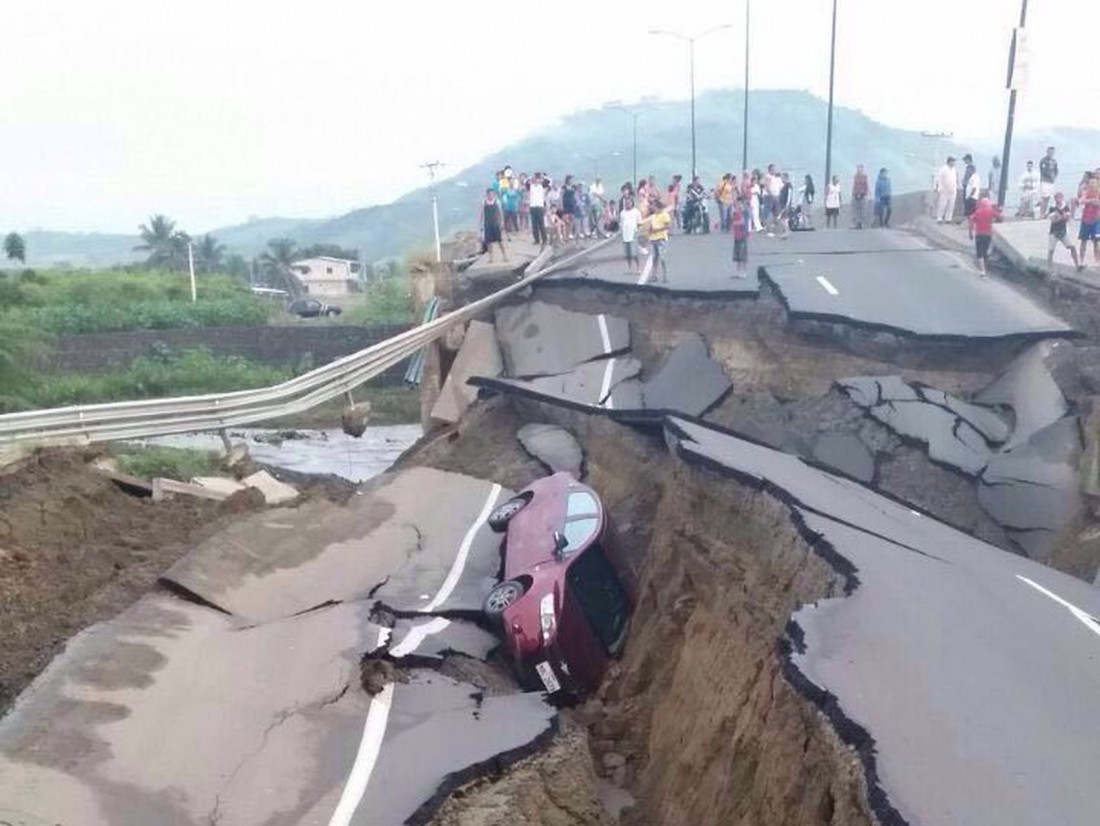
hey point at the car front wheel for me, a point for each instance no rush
(502, 595)
(502, 515)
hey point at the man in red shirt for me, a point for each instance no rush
(981, 225)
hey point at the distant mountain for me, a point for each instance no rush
(785, 127)
(46, 248)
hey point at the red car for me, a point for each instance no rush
(561, 605)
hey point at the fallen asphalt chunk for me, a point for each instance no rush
(1029, 389)
(689, 381)
(540, 339)
(479, 355)
(554, 446)
(432, 638)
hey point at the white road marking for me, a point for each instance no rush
(463, 552)
(417, 634)
(1089, 620)
(647, 268)
(827, 285)
(604, 334)
(378, 714)
(608, 373)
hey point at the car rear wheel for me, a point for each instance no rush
(502, 595)
(502, 515)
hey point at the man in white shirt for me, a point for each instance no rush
(595, 205)
(537, 192)
(629, 219)
(947, 188)
(1029, 188)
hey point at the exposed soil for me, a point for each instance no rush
(75, 550)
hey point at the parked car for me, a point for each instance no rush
(561, 605)
(312, 308)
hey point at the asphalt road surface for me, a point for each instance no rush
(973, 672)
(248, 709)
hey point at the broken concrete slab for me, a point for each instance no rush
(163, 487)
(405, 528)
(172, 713)
(846, 453)
(274, 491)
(589, 383)
(1032, 490)
(219, 484)
(1029, 389)
(689, 381)
(479, 355)
(433, 638)
(540, 339)
(554, 446)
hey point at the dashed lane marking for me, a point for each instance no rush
(604, 335)
(827, 285)
(605, 386)
(1089, 621)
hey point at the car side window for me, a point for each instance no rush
(579, 531)
(600, 595)
(580, 503)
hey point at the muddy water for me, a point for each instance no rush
(312, 451)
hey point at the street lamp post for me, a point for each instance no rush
(829, 128)
(1013, 83)
(432, 166)
(745, 137)
(691, 69)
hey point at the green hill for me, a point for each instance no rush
(786, 127)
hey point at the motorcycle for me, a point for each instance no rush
(696, 217)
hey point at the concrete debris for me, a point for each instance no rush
(219, 484)
(689, 381)
(274, 491)
(479, 355)
(1029, 389)
(846, 453)
(539, 339)
(554, 446)
(590, 383)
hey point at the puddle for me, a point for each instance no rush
(312, 451)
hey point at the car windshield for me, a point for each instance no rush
(577, 532)
(581, 503)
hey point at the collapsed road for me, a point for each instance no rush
(826, 501)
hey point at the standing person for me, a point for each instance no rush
(1048, 174)
(1090, 221)
(595, 205)
(981, 230)
(754, 202)
(739, 227)
(972, 189)
(723, 197)
(807, 193)
(524, 202)
(509, 202)
(832, 202)
(1082, 188)
(860, 189)
(536, 196)
(946, 187)
(492, 223)
(659, 223)
(675, 202)
(786, 204)
(580, 213)
(772, 184)
(1029, 187)
(1059, 224)
(553, 196)
(883, 197)
(568, 206)
(609, 220)
(629, 219)
(994, 179)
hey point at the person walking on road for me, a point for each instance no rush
(883, 195)
(832, 202)
(1090, 221)
(981, 230)
(739, 228)
(1048, 174)
(1059, 225)
(659, 223)
(536, 197)
(946, 188)
(972, 189)
(860, 189)
(629, 219)
(492, 224)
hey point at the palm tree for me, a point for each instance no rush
(276, 261)
(209, 254)
(15, 247)
(166, 245)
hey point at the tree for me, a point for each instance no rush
(166, 245)
(276, 262)
(237, 266)
(21, 348)
(209, 254)
(15, 247)
(329, 250)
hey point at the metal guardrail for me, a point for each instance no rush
(82, 424)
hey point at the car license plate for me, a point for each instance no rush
(548, 677)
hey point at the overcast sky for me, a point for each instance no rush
(215, 111)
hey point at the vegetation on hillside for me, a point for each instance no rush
(171, 462)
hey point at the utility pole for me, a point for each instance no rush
(634, 150)
(745, 137)
(829, 128)
(432, 166)
(191, 267)
(1013, 84)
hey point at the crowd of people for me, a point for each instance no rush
(962, 188)
(646, 214)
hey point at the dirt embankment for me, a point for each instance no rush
(698, 714)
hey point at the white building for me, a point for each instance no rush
(326, 276)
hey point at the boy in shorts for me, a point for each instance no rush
(1059, 219)
(629, 219)
(981, 226)
(659, 223)
(740, 230)
(1090, 221)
